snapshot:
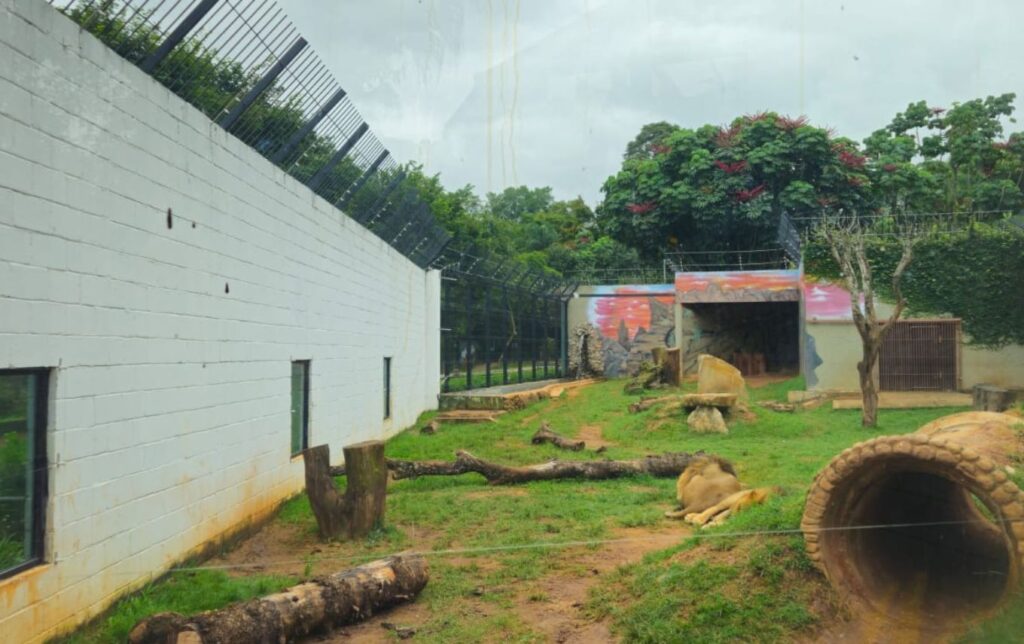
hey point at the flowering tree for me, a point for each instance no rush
(725, 188)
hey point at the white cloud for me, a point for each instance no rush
(552, 98)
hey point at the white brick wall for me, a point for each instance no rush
(170, 407)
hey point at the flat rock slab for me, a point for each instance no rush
(707, 420)
(722, 401)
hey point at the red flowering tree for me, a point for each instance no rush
(725, 187)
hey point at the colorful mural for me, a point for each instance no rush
(632, 320)
(826, 301)
(738, 286)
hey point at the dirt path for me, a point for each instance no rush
(593, 437)
(552, 606)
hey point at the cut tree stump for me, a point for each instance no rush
(545, 435)
(343, 598)
(356, 513)
(991, 398)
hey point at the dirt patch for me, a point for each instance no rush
(490, 494)
(553, 605)
(277, 549)
(593, 436)
(289, 549)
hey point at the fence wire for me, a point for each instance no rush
(244, 65)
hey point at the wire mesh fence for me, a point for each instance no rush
(501, 322)
(245, 66)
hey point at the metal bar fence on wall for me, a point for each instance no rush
(243, 64)
(500, 324)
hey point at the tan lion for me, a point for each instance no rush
(709, 492)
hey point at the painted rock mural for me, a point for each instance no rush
(632, 321)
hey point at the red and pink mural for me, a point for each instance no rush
(738, 286)
(632, 320)
(825, 301)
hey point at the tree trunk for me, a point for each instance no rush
(545, 435)
(669, 465)
(343, 598)
(869, 382)
(356, 513)
(671, 369)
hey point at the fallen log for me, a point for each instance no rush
(343, 598)
(545, 435)
(646, 403)
(668, 465)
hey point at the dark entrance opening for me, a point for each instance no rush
(756, 337)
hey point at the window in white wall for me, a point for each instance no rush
(23, 470)
(387, 388)
(300, 405)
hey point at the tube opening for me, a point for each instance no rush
(939, 556)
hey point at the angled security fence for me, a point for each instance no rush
(244, 65)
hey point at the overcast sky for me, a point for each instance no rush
(545, 92)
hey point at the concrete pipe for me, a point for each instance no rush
(954, 538)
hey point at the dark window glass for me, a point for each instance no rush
(387, 387)
(300, 405)
(22, 468)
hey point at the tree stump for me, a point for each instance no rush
(992, 398)
(672, 368)
(361, 508)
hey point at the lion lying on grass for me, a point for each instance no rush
(708, 492)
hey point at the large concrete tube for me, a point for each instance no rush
(955, 538)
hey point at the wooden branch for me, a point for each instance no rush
(670, 464)
(343, 598)
(646, 403)
(546, 435)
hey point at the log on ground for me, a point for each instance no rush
(546, 435)
(343, 598)
(668, 465)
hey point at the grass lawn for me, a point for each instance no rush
(506, 573)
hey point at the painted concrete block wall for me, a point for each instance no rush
(838, 346)
(171, 347)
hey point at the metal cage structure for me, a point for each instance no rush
(244, 65)
(501, 323)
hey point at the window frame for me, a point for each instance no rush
(304, 429)
(387, 387)
(40, 468)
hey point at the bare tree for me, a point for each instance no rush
(846, 236)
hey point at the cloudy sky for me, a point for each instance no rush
(547, 92)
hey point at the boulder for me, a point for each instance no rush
(707, 420)
(716, 376)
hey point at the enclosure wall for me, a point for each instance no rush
(169, 274)
(832, 365)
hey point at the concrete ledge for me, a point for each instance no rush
(908, 400)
